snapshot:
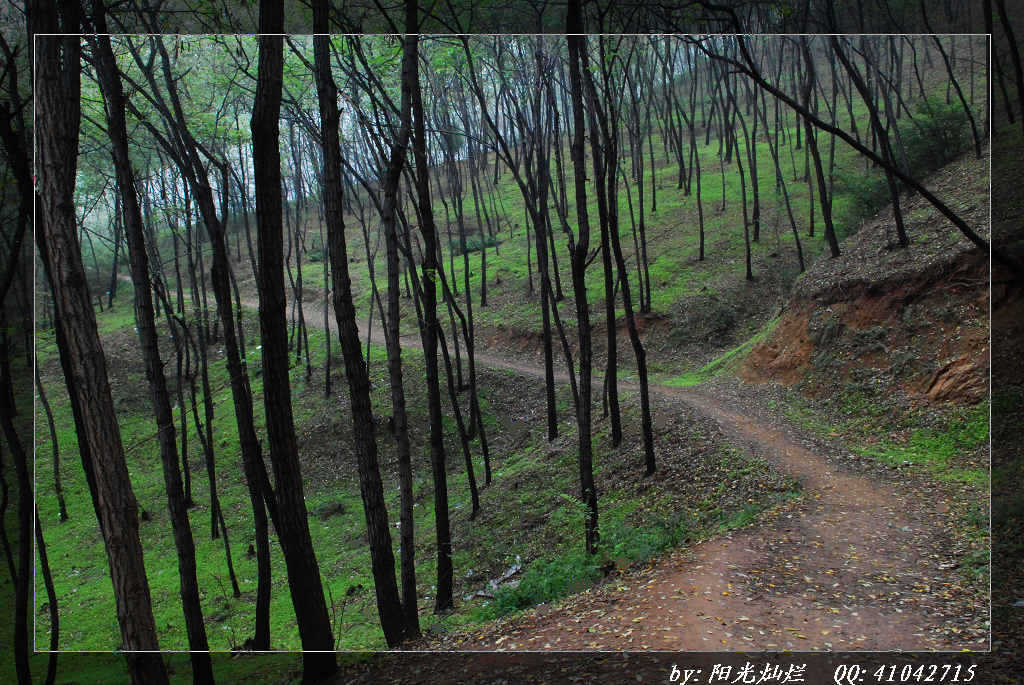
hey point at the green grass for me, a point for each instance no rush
(533, 478)
(726, 363)
(935, 448)
(936, 441)
(76, 546)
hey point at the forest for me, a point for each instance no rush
(439, 341)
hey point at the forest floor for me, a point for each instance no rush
(874, 555)
(869, 558)
(858, 562)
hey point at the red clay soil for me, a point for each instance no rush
(947, 335)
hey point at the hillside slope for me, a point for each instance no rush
(909, 324)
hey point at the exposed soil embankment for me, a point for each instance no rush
(926, 335)
(912, 321)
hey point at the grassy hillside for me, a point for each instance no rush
(534, 490)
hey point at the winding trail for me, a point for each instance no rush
(856, 563)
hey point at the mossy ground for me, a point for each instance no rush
(528, 511)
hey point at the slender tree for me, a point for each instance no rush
(58, 488)
(444, 600)
(389, 606)
(291, 522)
(58, 106)
(577, 44)
(113, 95)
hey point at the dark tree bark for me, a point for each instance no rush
(400, 419)
(15, 138)
(113, 95)
(538, 187)
(21, 576)
(577, 44)
(389, 606)
(602, 153)
(51, 599)
(57, 107)
(692, 125)
(444, 600)
(453, 396)
(291, 521)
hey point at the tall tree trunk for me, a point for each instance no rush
(400, 419)
(389, 606)
(453, 396)
(539, 218)
(444, 600)
(292, 524)
(21, 575)
(110, 83)
(577, 44)
(602, 154)
(57, 106)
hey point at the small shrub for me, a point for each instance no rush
(936, 136)
(866, 193)
(546, 580)
(621, 545)
(474, 243)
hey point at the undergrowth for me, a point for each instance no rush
(726, 363)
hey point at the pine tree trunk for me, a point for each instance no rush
(291, 523)
(110, 82)
(444, 600)
(57, 107)
(389, 605)
(577, 44)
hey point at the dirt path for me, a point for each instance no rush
(854, 564)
